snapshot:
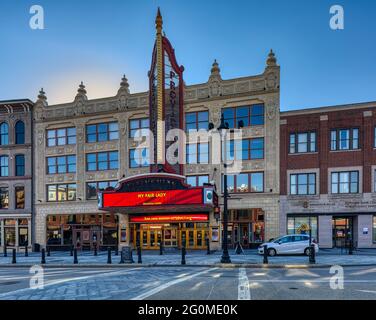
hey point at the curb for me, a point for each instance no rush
(216, 265)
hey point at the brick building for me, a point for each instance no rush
(16, 164)
(327, 174)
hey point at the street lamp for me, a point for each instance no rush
(225, 256)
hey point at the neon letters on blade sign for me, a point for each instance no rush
(153, 198)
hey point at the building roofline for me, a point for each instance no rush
(16, 101)
(333, 108)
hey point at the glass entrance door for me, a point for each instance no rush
(194, 238)
(342, 231)
(150, 237)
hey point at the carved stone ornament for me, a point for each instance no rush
(271, 81)
(215, 89)
(270, 112)
(40, 136)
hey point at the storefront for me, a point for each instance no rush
(160, 208)
(15, 233)
(336, 230)
(247, 227)
(83, 231)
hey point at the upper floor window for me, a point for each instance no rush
(344, 139)
(345, 182)
(102, 161)
(245, 182)
(102, 132)
(61, 137)
(4, 198)
(92, 188)
(303, 142)
(245, 115)
(139, 126)
(197, 153)
(246, 149)
(20, 165)
(20, 132)
(4, 134)
(196, 120)
(19, 193)
(61, 192)
(303, 184)
(62, 164)
(139, 158)
(4, 166)
(197, 181)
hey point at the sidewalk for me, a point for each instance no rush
(195, 258)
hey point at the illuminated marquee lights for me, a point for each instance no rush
(170, 218)
(153, 198)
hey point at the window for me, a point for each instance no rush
(197, 153)
(61, 137)
(4, 198)
(20, 197)
(20, 132)
(139, 124)
(139, 158)
(344, 139)
(4, 134)
(374, 229)
(61, 192)
(246, 149)
(63, 164)
(92, 188)
(303, 184)
(303, 142)
(345, 182)
(197, 120)
(248, 115)
(20, 165)
(4, 166)
(102, 161)
(302, 225)
(245, 182)
(102, 132)
(197, 181)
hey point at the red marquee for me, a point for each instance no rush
(153, 198)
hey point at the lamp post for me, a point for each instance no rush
(225, 256)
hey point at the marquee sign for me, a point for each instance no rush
(193, 196)
(170, 218)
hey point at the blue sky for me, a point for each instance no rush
(96, 41)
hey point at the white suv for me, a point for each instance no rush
(291, 244)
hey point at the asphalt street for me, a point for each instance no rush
(188, 283)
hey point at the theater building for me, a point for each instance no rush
(328, 185)
(92, 190)
(16, 190)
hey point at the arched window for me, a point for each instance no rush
(20, 132)
(4, 134)
(20, 165)
(4, 166)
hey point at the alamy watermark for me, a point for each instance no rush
(36, 21)
(337, 21)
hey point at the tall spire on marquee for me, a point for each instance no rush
(159, 66)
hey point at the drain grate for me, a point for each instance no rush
(293, 288)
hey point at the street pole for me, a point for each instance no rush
(225, 256)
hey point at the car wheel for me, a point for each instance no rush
(307, 251)
(272, 252)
